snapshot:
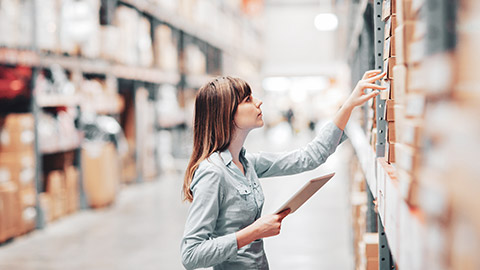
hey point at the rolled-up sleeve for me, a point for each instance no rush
(199, 248)
(300, 160)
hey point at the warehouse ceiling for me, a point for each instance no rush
(293, 46)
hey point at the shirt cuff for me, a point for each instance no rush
(229, 245)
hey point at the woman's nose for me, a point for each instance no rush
(258, 102)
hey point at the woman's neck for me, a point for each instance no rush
(236, 145)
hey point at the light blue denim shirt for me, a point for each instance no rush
(226, 201)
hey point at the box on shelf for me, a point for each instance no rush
(10, 211)
(145, 47)
(388, 8)
(403, 37)
(72, 189)
(16, 132)
(55, 187)
(389, 110)
(403, 11)
(389, 63)
(391, 132)
(18, 167)
(28, 220)
(46, 204)
(407, 158)
(385, 94)
(101, 173)
(389, 49)
(390, 26)
(411, 132)
(399, 84)
(415, 105)
(166, 53)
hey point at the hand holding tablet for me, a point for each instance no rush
(302, 195)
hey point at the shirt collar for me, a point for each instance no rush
(227, 156)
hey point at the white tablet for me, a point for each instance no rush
(307, 191)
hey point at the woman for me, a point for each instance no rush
(224, 227)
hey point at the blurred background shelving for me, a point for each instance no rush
(98, 95)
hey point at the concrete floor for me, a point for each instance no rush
(142, 230)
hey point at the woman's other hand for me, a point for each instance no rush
(265, 226)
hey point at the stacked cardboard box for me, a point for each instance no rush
(358, 198)
(389, 15)
(101, 173)
(17, 167)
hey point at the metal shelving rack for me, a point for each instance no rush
(368, 33)
(36, 59)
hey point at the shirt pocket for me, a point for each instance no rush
(241, 208)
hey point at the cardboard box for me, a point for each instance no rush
(46, 205)
(9, 211)
(388, 66)
(72, 189)
(389, 48)
(17, 133)
(371, 245)
(28, 220)
(403, 11)
(404, 35)
(407, 158)
(416, 51)
(415, 105)
(411, 132)
(101, 173)
(389, 110)
(399, 83)
(391, 133)
(55, 187)
(388, 8)
(18, 167)
(390, 152)
(390, 26)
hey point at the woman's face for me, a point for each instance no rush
(249, 115)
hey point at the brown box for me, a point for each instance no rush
(55, 187)
(46, 205)
(16, 133)
(404, 11)
(404, 35)
(389, 110)
(371, 245)
(415, 105)
(72, 189)
(388, 67)
(10, 211)
(388, 8)
(416, 51)
(27, 220)
(390, 152)
(28, 196)
(389, 49)
(101, 173)
(391, 134)
(411, 132)
(390, 26)
(407, 158)
(18, 167)
(399, 83)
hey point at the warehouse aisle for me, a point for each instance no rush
(143, 229)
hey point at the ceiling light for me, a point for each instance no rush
(326, 22)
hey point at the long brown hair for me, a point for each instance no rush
(215, 106)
